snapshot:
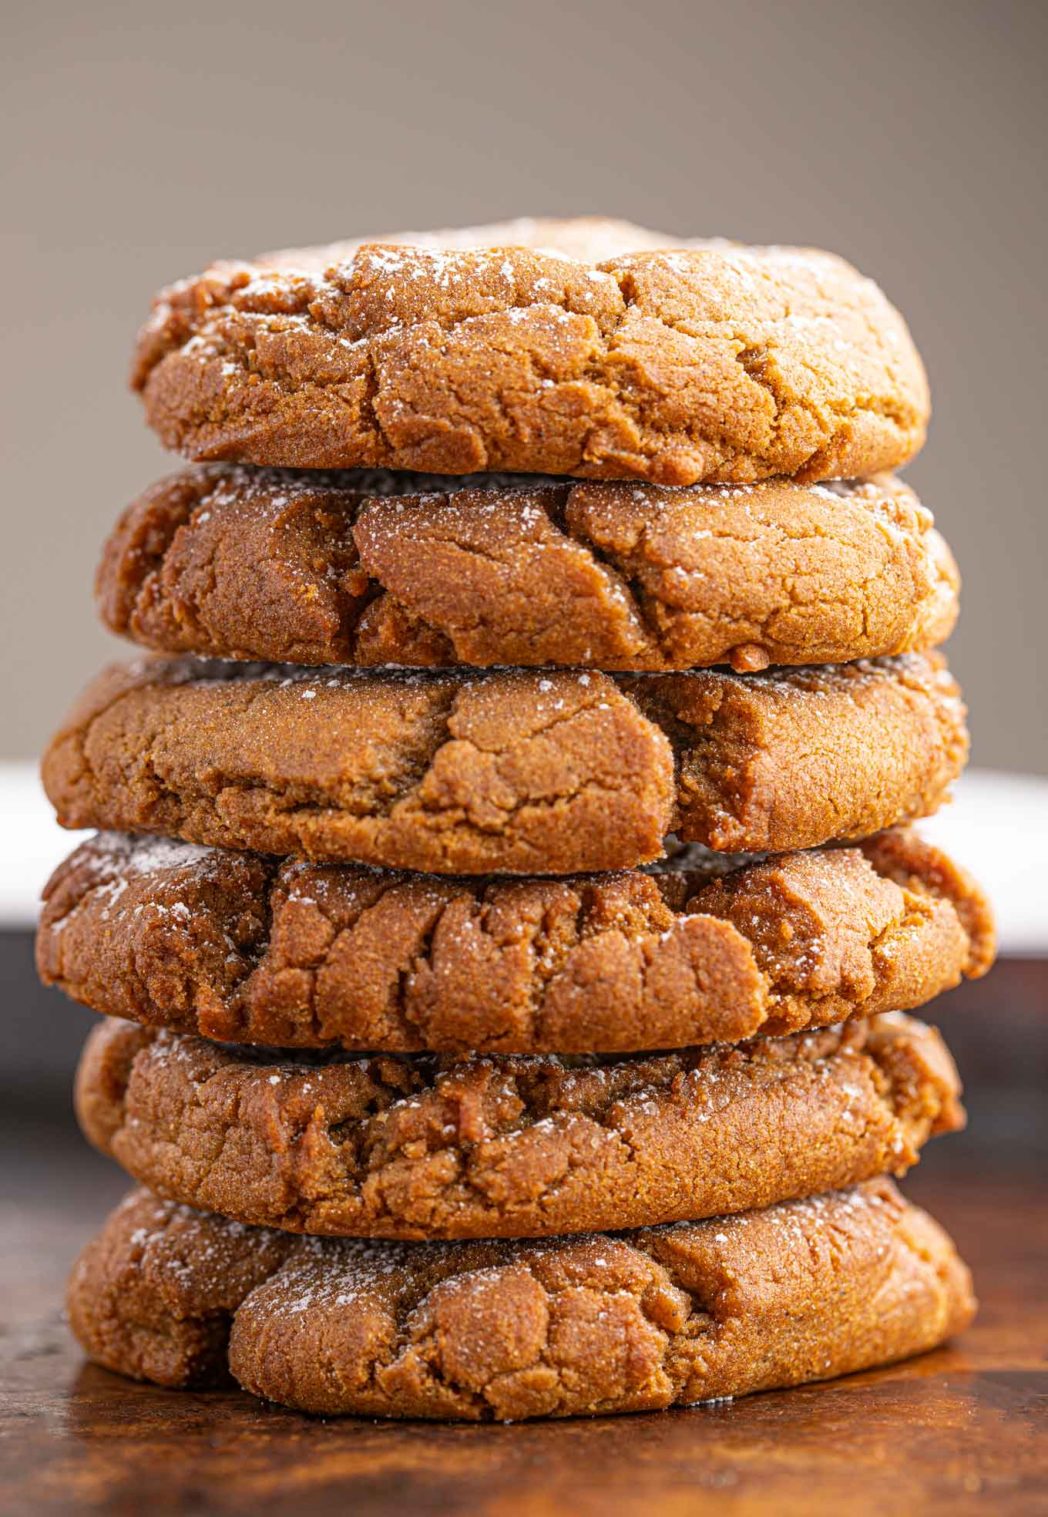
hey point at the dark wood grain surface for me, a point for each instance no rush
(964, 1429)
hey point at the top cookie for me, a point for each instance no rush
(585, 347)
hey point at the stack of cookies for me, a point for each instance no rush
(505, 912)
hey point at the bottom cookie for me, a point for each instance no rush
(589, 1324)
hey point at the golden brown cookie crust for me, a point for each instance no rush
(902, 855)
(506, 771)
(507, 1146)
(675, 363)
(246, 948)
(668, 1316)
(287, 566)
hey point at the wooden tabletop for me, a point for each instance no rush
(964, 1429)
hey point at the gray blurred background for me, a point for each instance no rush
(142, 141)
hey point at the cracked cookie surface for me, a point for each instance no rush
(287, 566)
(506, 771)
(570, 348)
(667, 1316)
(245, 948)
(506, 1146)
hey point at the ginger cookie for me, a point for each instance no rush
(506, 771)
(565, 348)
(492, 1330)
(510, 1145)
(355, 569)
(245, 948)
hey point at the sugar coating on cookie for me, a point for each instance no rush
(375, 569)
(506, 771)
(590, 1324)
(246, 948)
(509, 1146)
(595, 350)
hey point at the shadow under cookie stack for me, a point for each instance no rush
(504, 902)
